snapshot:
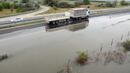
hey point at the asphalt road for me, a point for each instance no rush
(32, 16)
(7, 23)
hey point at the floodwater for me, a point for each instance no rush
(47, 51)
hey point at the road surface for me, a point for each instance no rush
(32, 16)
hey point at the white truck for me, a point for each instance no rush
(75, 15)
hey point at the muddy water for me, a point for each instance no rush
(46, 51)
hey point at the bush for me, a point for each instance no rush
(25, 1)
(109, 4)
(53, 3)
(28, 5)
(65, 5)
(6, 5)
(76, 4)
(82, 57)
(126, 45)
(1, 7)
(86, 2)
(54, 7)
(19, 10)
(100, 5)
(123, 2)
(12, 7)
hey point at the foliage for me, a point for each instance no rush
(82, 57)
(123, 2)
(54, 7)
(12, 7)
(25, 1)
(53, 3)
(1, 7)
(77, 4)
(106, 4)
(126, 45)
(86, 2)
(6, 5)
(109, 4)
(25, 5)
(47, 1)
(81, 54)
(100, 5)
(19, 10)
(61, 4)
(65, 5)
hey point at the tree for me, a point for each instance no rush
(1, 7)
(123, 2)
(19, 10)
(12, 7)
(47, 1)
(109, 4)
(25, 1)
(86, 2)
(65, 5)
(77, 4)
(54, 7)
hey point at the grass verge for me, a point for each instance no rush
(58, 10)
(7, 12)
(10, 26)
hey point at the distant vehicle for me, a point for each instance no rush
(17, 19)
(88, 13)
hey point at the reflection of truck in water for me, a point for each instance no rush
(74, 27)
(73, 16)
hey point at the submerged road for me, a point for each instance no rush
(37, 51)
(33, 17)
(120, 17)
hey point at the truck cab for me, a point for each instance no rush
(79, 12)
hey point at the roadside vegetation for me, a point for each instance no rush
(126, 45)
(17, 6)
(82, 57)
(64, 5)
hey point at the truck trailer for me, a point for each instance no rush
(73, 16)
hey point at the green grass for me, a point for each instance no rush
(128, 42)
(4, 27)
(93, 6)
(6, 12)
(58, 10)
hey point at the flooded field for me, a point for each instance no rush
(48, 51)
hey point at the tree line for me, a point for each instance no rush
(24, 5)
(59, 4)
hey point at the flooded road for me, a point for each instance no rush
(40, 51)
